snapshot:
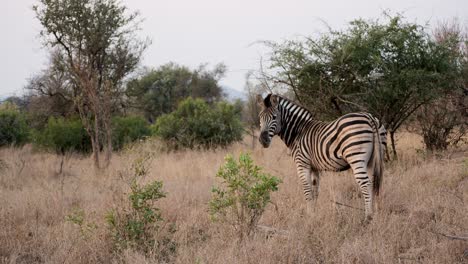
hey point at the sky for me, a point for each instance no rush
(210, 31)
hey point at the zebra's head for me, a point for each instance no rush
(270, 123)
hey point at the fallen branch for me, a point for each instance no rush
(342, 204)
(406, 258)
(451, 237)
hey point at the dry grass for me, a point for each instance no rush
(422, 198)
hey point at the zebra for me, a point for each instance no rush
(355, 140)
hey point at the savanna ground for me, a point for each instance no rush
(423, 199)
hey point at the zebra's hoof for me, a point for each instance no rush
(368, 219)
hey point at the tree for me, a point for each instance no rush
(444, 121)
(251, 109)
(62, 135)
(16, 102)
(96, 40)
(158, 91)
(128, 129)
(197, 124)
(13, 128)
(50, 93)
(388, 68)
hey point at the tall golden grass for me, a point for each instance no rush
(423, 202)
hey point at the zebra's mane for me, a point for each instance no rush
(267, 101)
(293, 118)
(286, 103)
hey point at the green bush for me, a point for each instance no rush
(134, 227)
(62, 135)
(13, 128)
(78, 217)
(244, 196)
(136, 224)
(127, 130)
(196, 124)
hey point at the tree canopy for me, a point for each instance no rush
(389, 68)
(158, 91)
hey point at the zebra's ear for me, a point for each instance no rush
(274, 100)
(260, 100)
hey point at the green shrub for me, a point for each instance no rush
(244, 196)
(127, 130)
(13, 128)
(196, 124)
(62, 135)
(134, 227)
(136, 224)
(78, 218)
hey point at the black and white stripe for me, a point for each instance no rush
(355, 140)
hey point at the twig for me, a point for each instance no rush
(342, 204)
(62, 181)
(271, 230)
(21, 163)
(451, 237)
(406, 258)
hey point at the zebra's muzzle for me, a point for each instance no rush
(265, 139)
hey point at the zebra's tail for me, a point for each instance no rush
(377, 158)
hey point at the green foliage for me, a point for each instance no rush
(13, 128)
(197, 124)
(78, 217)
(245, 193)
(102, 31)
(127, 130)
(160, 90)
(62, 135)
(136, 225)
(389, 68)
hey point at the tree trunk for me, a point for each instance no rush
(107, 120)
(392, 139)
(336, 105)
(108, 133)
(387, 155)
(95, 143)
(254, 138)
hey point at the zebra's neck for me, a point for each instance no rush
(293, 120)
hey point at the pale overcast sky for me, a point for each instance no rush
(193, 32)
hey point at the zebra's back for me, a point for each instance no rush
(335, 145)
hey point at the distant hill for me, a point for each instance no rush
(232, 95)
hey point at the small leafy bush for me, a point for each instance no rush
(136, 224)
(62, 135)
(13, 128)
(126, 130)
(78, 218)
(196, 124)
(244, 195)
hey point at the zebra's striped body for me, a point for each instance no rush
(355, 140)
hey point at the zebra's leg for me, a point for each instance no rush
(370, 172)
(314, 182)
(304, 173)
(365, 184)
